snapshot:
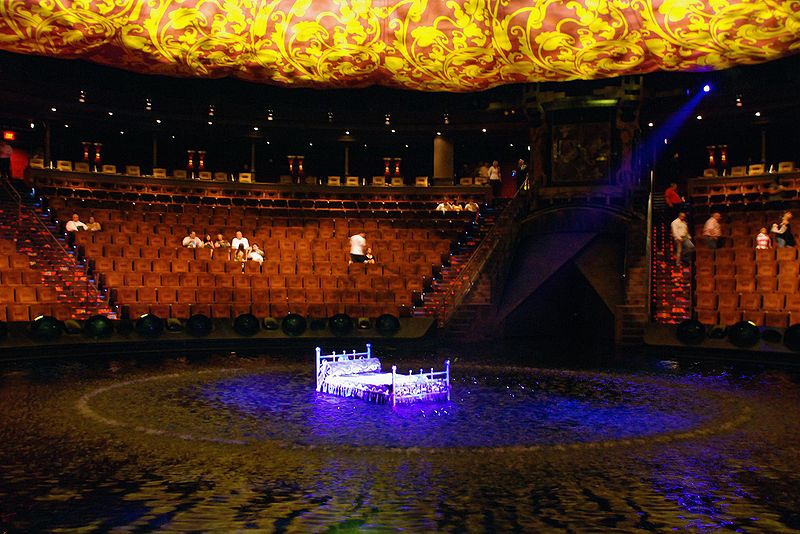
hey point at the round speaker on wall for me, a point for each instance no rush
(340, 324)
(387, 324)
(98, 327)
(691, 332)
(3, 330)
(744, 334)
(46, 328)
(293, 324)
(149, 325)
(199, 325)
(791, 337)
(246, 324)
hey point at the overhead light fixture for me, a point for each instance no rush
(438, 133)
(66, 126)
(122, 132)
(211, 111)
(82, 97)
(446, 118)
(148, 104)
(739, 101)
(158, 121)
(53, 109)
(255, 128)
(347, 132)
(406, 146)
(110, 113)
(393, 130)
(706, 88)
(483, 130)
(650, 124)
(511, 145)
(210, 123)
(758, 113)
(699, 117)
(310, 144)
(387, 119)
(270, 115)
(33, 126)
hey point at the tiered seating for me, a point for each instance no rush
(305, 270)
(740, 283)
(22, 293)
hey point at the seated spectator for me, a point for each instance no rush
(712, 231)
(763, 241)
(783, 231)
(93, 225)
(241, 253)
(369, 257)
(455, 206)
(472, 206)
(208, 242)
(192, 241)
(221, 242)
(256, 254)
(75, 224)
(442, 206)
(239, 240)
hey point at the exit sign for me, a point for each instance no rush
(9, 136)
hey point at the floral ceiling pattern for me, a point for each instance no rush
(441, 45)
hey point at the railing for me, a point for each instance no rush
(496, 245)
(52, 239)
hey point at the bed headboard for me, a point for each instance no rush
(345, 363)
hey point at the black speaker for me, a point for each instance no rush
(691, 332)
(246, 325)
(46, 328)
(340, 324)
(293, 324)
(744, 334)
(199, 325)
(149, 325)
(98, 326)
(387, 324)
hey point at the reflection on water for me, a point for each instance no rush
(556, 450)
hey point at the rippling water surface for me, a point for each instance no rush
(231, 443)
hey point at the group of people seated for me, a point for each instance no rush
(238, 249)
(75, 225)
(452, 205)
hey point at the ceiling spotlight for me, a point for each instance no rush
(158, 121)
(255, 128)
(173, 137)
(387, 119)
(210, 111)
(66, 126)
(666, 141)
(267, 142)
(33, 126)
(347, 132)
(365, 145)
(699, 117)
(706, 88)
(148, 104)
(82, 96)
(483, 130)
(310, 144)
(758, 113)
(270, 115)
(210, 123)
(447, 118)
(738, 101)
(122, 132)
(650, 124)
(53, 109)
(110, 113)
(393, 130)
(438, 133)
(511, 145)
(406, 146)
(330, 116)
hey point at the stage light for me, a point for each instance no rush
(110, 113)
(699, 117)
(757, 113)
(33, 126)
(387, 324)
(199, 325)
(363, 323)
(650, 124)
(255, 128)
(158, 121)
(511, 145)
(739, 101)
(393, 130)
(246, 325)
(310, 144)
(293, 324)
(691, 332)
(271, 323)
(53, 110)
(122, 132)
(210, 123)
(66, 126)
(148, 104)
(330, 116)
(149, 325)
(406, 146)
(340, 324)
(446, 118)
(706, 88)
(483, 130)
(174, 325)
(98, 326)
(46, 328)
(347, 132)
(210, 111)
(82, 96)
(744, 334)
(438, 133)
(270, 115)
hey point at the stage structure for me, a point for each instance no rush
(359, 375)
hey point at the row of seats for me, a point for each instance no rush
(759, 318)
(27, 294)
(294, 281)
(246, 295)
(263, 309)
(27, 312)
(14, 261)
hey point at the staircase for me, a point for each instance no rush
(432, 298)
(671, 290)
(22, 219)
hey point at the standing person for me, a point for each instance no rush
(673, 200)
(495, 180)
(783, 231)
(358, 246)
(239, 240)
(5, 160)
(683, 241)
(521, 174)
(712, 231)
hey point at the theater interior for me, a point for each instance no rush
(535, 334)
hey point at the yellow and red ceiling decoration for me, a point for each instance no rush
(440, 45)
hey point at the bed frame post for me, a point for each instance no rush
(447, 370)
(316, 369)
(369, 350)
(394, 373)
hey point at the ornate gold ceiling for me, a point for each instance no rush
(441, 45)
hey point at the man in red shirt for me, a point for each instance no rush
(675, 202)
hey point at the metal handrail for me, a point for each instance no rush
(21, 206)
(470, 273)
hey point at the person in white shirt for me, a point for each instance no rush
(358, 246)
(239, 240)
(442, 206)
(683, 241)
(75, 224)
(495, 180)
(712, 231)
(472, 206)
(256, 254)
(192, 241)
